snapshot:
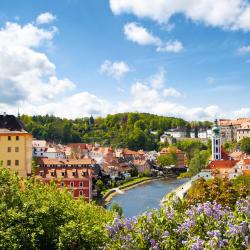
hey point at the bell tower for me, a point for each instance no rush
(216, 142)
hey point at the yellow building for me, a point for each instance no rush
(15, 145)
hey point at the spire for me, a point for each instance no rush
(18, 113)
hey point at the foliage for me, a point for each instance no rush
(131, 130)
(36, 216)
(116, 207)
(223, 191)
(203, 226)
(167, 159)
(230, 146)
(198, 162)
(245, 145)
(191, 147)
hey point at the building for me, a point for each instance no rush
(15, 145)
(38, 148)
(229, 128)
(177, 133)
(216, 142)
(243, 131)
(75, 175)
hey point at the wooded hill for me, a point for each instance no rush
(132, 130)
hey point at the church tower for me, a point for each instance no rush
(216, 142)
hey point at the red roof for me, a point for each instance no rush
(218, 164)
(48, 161)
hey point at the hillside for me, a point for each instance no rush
(132, 130)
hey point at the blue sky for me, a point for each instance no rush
(74, 58)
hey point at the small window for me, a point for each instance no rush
(9, 149)
(16, 149)
(71, 184)
(41, 173)
(81, 184)
(62, 184)
(74, 173)
(52, 173)
(8, 162)
(16, 162)
(80, 193)
(17, 138)
(9, 138)
(63, 173)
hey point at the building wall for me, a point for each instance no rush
(242, 133)
(23, 156)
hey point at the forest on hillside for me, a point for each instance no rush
(131, 130)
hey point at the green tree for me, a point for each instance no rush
(117, 208)
(167, 160)
(245, 145)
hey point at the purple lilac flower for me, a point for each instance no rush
(166, 234)
(170, 213)
(198, 245)
(127, 223)
(214, 234)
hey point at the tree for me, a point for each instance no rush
(99, 185)
(167, 160)
(116, 207)
(245, 145)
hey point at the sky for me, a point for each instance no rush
(75, 58)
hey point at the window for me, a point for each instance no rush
(80, 193)
(9, 149)
(17, 138)
(62, 184)
(52, 173)
(81, 184)
(16, 162)
(41, 173)
(74, 173)
(63, 173)
(9, 138)
(8, 162)
(71, 184)
(16, 149)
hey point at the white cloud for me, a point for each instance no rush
(243, 112)
(244, 49)
(139, 34)
(26, 74)
(136, 33)
(115, 69)
(171, 92)
(45, 18)
(227, 14)
(171, 46)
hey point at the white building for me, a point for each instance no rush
(38, 148)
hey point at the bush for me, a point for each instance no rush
(37, 216)
(203, 226)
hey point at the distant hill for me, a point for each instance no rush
(132, 130)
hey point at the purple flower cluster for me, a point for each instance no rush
(204, 226)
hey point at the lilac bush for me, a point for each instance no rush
(202, 226)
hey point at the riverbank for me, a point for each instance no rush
(179, 192)
(121, 189)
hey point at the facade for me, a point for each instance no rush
(229, 128)
(15, 145)
(177, 133)
(216, 142)
(75, 175)
(243, 131)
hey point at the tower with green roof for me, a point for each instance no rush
(216, 142)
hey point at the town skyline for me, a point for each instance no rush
(74, 59)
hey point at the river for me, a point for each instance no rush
(145, 196)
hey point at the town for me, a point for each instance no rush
(87, 169)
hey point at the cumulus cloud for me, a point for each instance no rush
(139, 34)
(46, 17)
(226, 14)
(25, 73)
(171, 46)
(244, 49)
(115, 69)
(136, 33)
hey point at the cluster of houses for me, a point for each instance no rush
(75, 166)
(223, 164)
